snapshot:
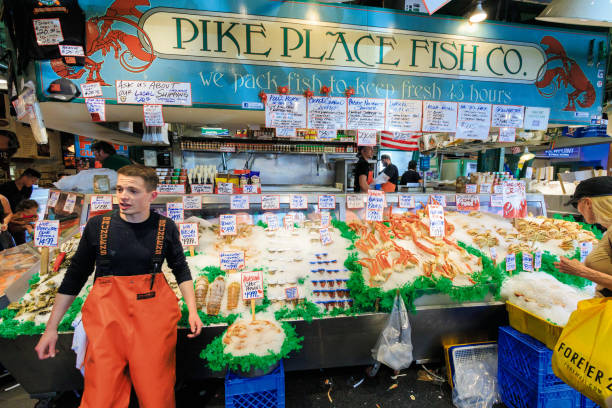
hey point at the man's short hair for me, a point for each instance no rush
(104, 146)
(26, 205)
(31, 173)
(385, 157)
(148, 174)
(412, 165)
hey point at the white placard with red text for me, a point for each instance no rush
(375, 205)
(153, 115)
(227, 224)
(252, 285)
(436, 220)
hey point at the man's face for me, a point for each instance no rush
(133, 196)
(386, 162)
(29, 181)
(367, 152)
(100, 155)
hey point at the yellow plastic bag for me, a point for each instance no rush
(583, 355)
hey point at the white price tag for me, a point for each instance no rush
(527, 262)
(192, 202)
(507, 135)
(298, 202)
(239, 202)
(91, 89)
(467, 202)
(436, 220)
(485, 188)
(153, 115)
(48, 31)
(585, 250)
(231, 260)
(537, 260)
(288, 222)
(270, 202)
(70, 203)
(471, 188)
(438, 199)
(325, 219)
(326, 238)
(225, 188)
(292, 293)
(366, 137)
(327, 202)
(354, 201)
(227, 224)
(171, 188)
(53, 199)
(175, 211)
(375, 205)
(272, 221)
(101, 203)
(250, 189)
(493, 253)
(536, 118)
(71, 51)
(497, 200)
(406, 201)
(498, 189)
(202, 188)
(46, 233)
(510, 262)
(189, 234)
(96, 108)
(252, 285)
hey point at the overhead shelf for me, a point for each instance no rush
(476, 146)
(277, 140)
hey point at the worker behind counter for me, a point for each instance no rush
(20, 189)
(411, 175)
(363, 174)
(130, 315)
(106, 154)
(389, 176)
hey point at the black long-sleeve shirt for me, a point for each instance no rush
(131, 247)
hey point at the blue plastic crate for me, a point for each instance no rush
(267, 391)
(587, 403)
(517, 393)
(526, 357)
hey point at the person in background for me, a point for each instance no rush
(362, 172)
(106, 154)
(22, 220)
(390, 170)
(593, 199)
(411, 175)
(20, 189)
(6, 239)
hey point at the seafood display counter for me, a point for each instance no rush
(327, 272)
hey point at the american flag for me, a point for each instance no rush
(407, 141)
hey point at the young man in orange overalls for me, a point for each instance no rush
(131, 313)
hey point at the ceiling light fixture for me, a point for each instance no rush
(527, 155)
(580, 12)
(478, 14)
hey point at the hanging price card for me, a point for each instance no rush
(72, 51)
(175, 211)
(53, 198)
(436, 220)
(507, 116)
(239, 202)
(537, 260)
(485, 188)
(406, 201)
(354, 201)
(327, 202)
(298, 202)
(515, 199)
(101, 203)
(225, 188)
(202, 188)
(192, 202)
(507, 135)
(171, 188)
(188, 232)
(272, 221)
(366, 137)
(227, 224)
(70, 202)
(510, 262)
(46, 233)
(375, 205)
(250, 189)
(498, 189)
(527, 262)
(288, 222)
(585, 250)
(471, 188)
(493, 253)
(231, 260)
(325, 234)
(439, 199)
(325, 219)
(96, 108)
(270, 202)
(439, 116)
(153, 115)
(48, 31)
(536, 118)
(497, 200)
(291, 293)
(467, 202)
(252, 285)
(91, 89)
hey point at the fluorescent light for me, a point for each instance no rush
(478, 14)
(526, 156)
(580, 12)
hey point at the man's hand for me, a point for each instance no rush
(195, 324)
(569, 266)
(46, 345)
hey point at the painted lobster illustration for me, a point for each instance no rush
(568, 73)
(100, 37)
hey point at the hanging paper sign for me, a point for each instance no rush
(227, 148)
(272, 221)
(46, 233)
(473, 121)
(485, 188)
(227, 224)
(471, 188)
(252, 285)
(439, 199)
(298, 202)
(175, 211)
(323, 134)
(527, 262)
(239, 202)
(498, 189)
(48, 31)
(153, 92)
(536, 118)
(406, 201)
(225, 188)
(510, 262)
(325, 219)
(91, 89)
(53, 199)
(327, 202)
(493, 253)
(467, 202)
(326, 112)
(366, 137)
(326, 238)
(188, 232)
(231, 260)
(507, 116)
(285, 112)
(537, 260)
(70, 203)
(439, 116)
(288, 222)
(153, 115)
(71, 51)
(171, 188)
(192, 202)
(436, 220)
(292, 293)
(250, 189)
(270, 202)
(497, 200)
(365, 113)
(507, 135)
(96, 108)
(375, 205)
(202, 188)
(403, 115)
(354, 201)
(101, 203)
(585, 250)
(515, 199)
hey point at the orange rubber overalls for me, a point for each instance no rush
(130, 322)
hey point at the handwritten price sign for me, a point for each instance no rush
(527, 262)
(354, 201)
(239, 202)
(53, 199)
(298, 202)
(202, 188)
(585, 250)
(270, 202)
(250, 189)
(227, 224)
(510, 262)
(46, 233)
(471, 188)
(291, 293)
(326, 238)
(439, 199)
(175, 211)
(325, 219)
(537, 260)
(375, 205)
(467, 202)
(192, 202)
(70, 202)
(436, 220)
(252, 285)
(231, 260)
(171, 188)
(327, 202)
(101, 203)
(406, 201)
(189, 234)
(272, 221)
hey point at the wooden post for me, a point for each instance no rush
(561, 182)
(253, 309)
(191, 250)
(44, 261)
